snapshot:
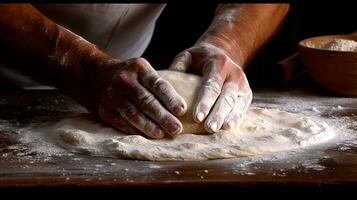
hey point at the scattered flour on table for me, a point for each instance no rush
(263, 131)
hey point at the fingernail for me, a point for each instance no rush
(200, 116)
(179, 110)
(158, 133)
(231, 124)
(175, 130)
(213, 126)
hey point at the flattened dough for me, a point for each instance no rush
(262, 131)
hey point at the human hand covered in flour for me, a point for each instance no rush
(131, 101)
(220, 55)
(225, 95)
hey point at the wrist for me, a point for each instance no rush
(83, 70)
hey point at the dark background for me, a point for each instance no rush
(180, 25)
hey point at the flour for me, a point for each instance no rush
(262, 131)
(341, 45)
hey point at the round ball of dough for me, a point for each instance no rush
(187, 85)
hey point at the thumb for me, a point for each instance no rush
(181, 62)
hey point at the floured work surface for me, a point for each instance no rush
(261, 131)
(334, 162)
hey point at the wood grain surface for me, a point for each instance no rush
(321, 165)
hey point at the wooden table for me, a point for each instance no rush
(334, 164)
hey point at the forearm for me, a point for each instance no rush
(241, 29)
(35, 44)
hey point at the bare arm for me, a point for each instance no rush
(35, 44)
(124, 94)
(242, 29)
(220, 54)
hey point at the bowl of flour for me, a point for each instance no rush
(331, 60)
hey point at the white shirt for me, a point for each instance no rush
(122, 30)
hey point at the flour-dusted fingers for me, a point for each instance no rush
(226, 102)
(111, 117)
(210, 90)
(164, 91)
(147, 103)
(224, 84)
(136, 118)
(244, 97)
(126, 115)
(182, 61)
(240, 109)
(126, 81)
(236, 115)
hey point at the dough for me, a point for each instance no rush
(262, 131)
(187, 85)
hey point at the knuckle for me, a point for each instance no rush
(212, 85)
(242, 74)
(160, 85)
(176, 105)
(122, 79)
(180, 55)
(224, 61)
(229, 101)
(146, 101)
(204, 107)
(139, 63)
(184, 54)
(205, 48)
(174, 101)
(221, 60)
(239, 72)
(164, 90)
(181, 60)
(220, 57)
(149, 127)
(122, 125)
(130, 113)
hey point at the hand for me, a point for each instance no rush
(131, 102)
(225, 94)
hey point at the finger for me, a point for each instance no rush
(148, 104)
(114, 119)
(240, 109)
(182, 61)
(224, 105)
(136, 118)
(113, 101)
(244, 99)
(211, 88)
(165, 92)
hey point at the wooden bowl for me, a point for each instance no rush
(335, 71)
